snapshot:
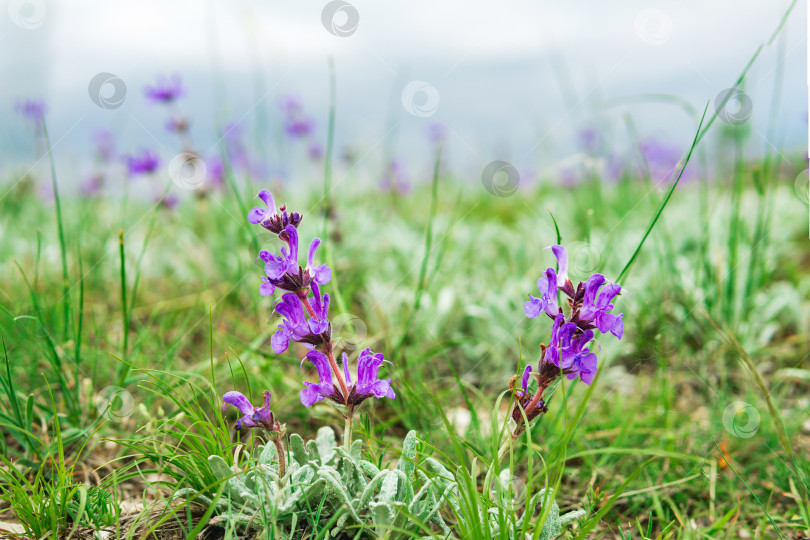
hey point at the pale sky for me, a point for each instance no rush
(511, 79)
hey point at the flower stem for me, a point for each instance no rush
(282, 460)
(347, 432)
(308, 306)
(331, 356)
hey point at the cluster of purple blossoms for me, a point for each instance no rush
(144, 163)
(304, 311)
(567, 353)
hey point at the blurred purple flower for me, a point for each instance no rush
(92, 185)
(31, 109)
(177, 125)
(299, 127)
(216, 171)
(104, 145)
(437, 132)
(144, 163)
(170, 201)
(662, 160)
(165, 90)
(588, 138)
(396, 178)
(290, 105)
(315, 151)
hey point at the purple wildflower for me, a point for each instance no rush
(295, 325)
(252, 417)
(396, 178)
(547, 286)
(589, 139)
(662, 160)
(269, 218)
(315, 151)
(567, 351)
(105, 145)
(368, 383)
(284, 272)
(144, 163)
(290, 105)
(170, 202)
(596, 309)
(165, 90)
(437, 132)
(32, 109)
(299, 127)
(92, 185)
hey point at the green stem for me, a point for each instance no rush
(123, 291)
(60, 229)
(347, 432)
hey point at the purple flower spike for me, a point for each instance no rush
(252, 417)
(165, 90)
(312, 392)
(591, 304)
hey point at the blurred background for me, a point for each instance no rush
(525, 82)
